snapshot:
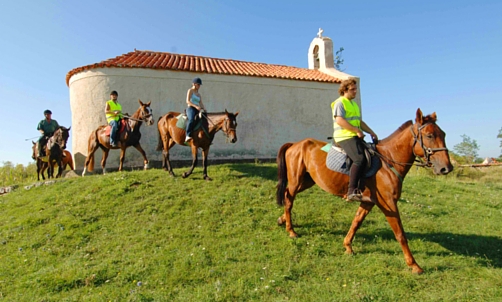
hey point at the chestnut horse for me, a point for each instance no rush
(303, 164)
(99, 139)
(66, 161)
(170, 134)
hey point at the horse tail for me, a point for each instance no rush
(159, 138)
(93, 139)
(282, 174)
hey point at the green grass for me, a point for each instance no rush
(95, 238)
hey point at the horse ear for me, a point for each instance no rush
(33, 143)
(140, 102)
(236, 114)
(148, 104)
(434, 116)
(69, 128)
(420, 118)
(226, 112)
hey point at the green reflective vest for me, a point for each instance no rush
(113, 107)
(352, 115)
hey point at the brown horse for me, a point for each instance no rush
(170, 134)
(303, 164)
(99, 139)
(54, 153)
(66, 161)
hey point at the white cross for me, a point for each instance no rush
(319, 34)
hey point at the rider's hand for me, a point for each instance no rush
(360, 134)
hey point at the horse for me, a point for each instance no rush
(170, 134)
(54, 153)
(66, 161)
(99, 139)
(303, 164)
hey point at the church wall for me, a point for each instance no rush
(271, 111)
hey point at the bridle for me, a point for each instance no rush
(426, 150)
(143, 117)
(226, 126)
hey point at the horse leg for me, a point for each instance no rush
(205, 152)
(166, 164)
(145, 160)
(89, 161)
(361, 213)
(122, 158)
(194, 162)
(395, 223)
(103, 160)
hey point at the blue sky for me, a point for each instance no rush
(439, 56)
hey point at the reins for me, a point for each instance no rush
(418, 162)
(224, 124)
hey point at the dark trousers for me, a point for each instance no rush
(354, 147)
(42, 141)
(191, 115)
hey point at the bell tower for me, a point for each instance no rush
(321, 56)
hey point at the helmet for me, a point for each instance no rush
(47, 111)
(114, 93)
(197, 81)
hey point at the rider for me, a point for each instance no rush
(47, 127)
(195, 105)
(348, 133)
(113, 111)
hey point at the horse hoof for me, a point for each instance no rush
(293, 235)
(417, 270)
(145, 167)
(185, 175)
(207, 178)
(280, 221)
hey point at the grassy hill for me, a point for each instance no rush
(144, 236)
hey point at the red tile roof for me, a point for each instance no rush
(180, 62)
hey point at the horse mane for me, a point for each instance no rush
(405, 125)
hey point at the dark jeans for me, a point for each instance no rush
(191, 115)
(113, 133)
(354, 147)
(42, 141)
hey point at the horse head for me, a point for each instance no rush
(34, 150)
(145, 113)
(429, 143)
(61, 136)
(230, 125)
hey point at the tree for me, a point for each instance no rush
(468, 148)
(338, 59)
(500, 136)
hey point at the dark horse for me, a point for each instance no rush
(66, 161)
(54, 150)
(170, 134)
(99, 139)
(303, 164)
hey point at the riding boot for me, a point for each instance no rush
(353, 194)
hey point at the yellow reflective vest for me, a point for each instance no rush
(352, 115)
(113, 107)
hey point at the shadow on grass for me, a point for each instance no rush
(487, 249)
(256, 170)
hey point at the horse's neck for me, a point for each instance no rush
(135, 124)
(216, 123)
(399, 149)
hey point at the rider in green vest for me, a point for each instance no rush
(348, 134)
(47, 127)
(113, 111)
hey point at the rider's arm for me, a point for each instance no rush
(202, 104)
(367, 129)
(40, 128)
(108, 111)
(189, 100)
(342, 122)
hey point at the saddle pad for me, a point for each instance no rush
(337, 161)
(122, 127)
(182, 121)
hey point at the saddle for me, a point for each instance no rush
(124, 126)
(182, 123)
(338, 161)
